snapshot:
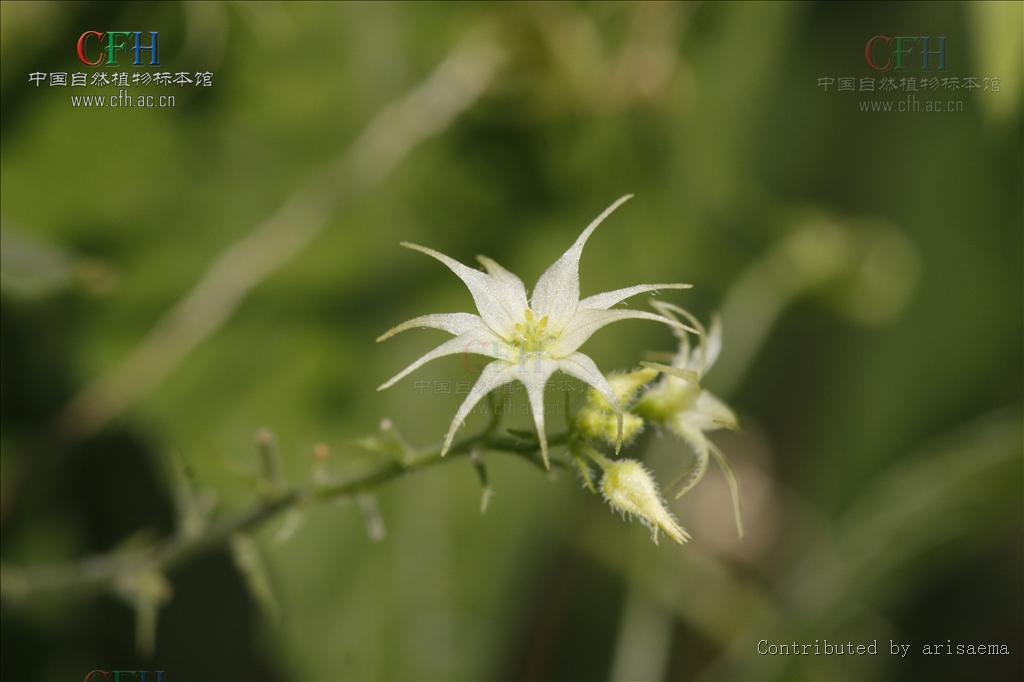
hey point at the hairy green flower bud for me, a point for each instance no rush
(598, 419)
(630, 488)
(596, 424)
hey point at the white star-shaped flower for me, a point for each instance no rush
(528, 340)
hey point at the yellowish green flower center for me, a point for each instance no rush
(531, 335)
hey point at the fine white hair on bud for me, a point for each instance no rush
(630, 488)
(529, 339)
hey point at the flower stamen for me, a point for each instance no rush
(531, 335)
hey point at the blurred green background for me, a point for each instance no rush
(869, 267)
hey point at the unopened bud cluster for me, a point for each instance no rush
(668, 397)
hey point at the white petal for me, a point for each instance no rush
(493, 375)
(476, 341)
(687, 358)
(534, 373)
(610, 298)
(689, 432)
(513, 290)
(487, 292)
(699, 444)
(734, 486)
(587, 321)
(558, 290)
(583, 368)
(715, 414)
(453, 323)
(686, 374)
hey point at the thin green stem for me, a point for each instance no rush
(103, 571)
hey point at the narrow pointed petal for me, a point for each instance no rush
(715, 414)
(583, 368)
(697, 360)
(699, 445)
(453, 323)
(534, 375)
(495, 374)
(514, 294)
(487, 293)
(734, 486)
(609, 298)
(558, 290)
(476, 341)
(692, 435)
(685, 374)
(585, 322)
(687, 358)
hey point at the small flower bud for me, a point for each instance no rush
(595, 424)
(628, 487)
(625, 386)
(598, 420)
